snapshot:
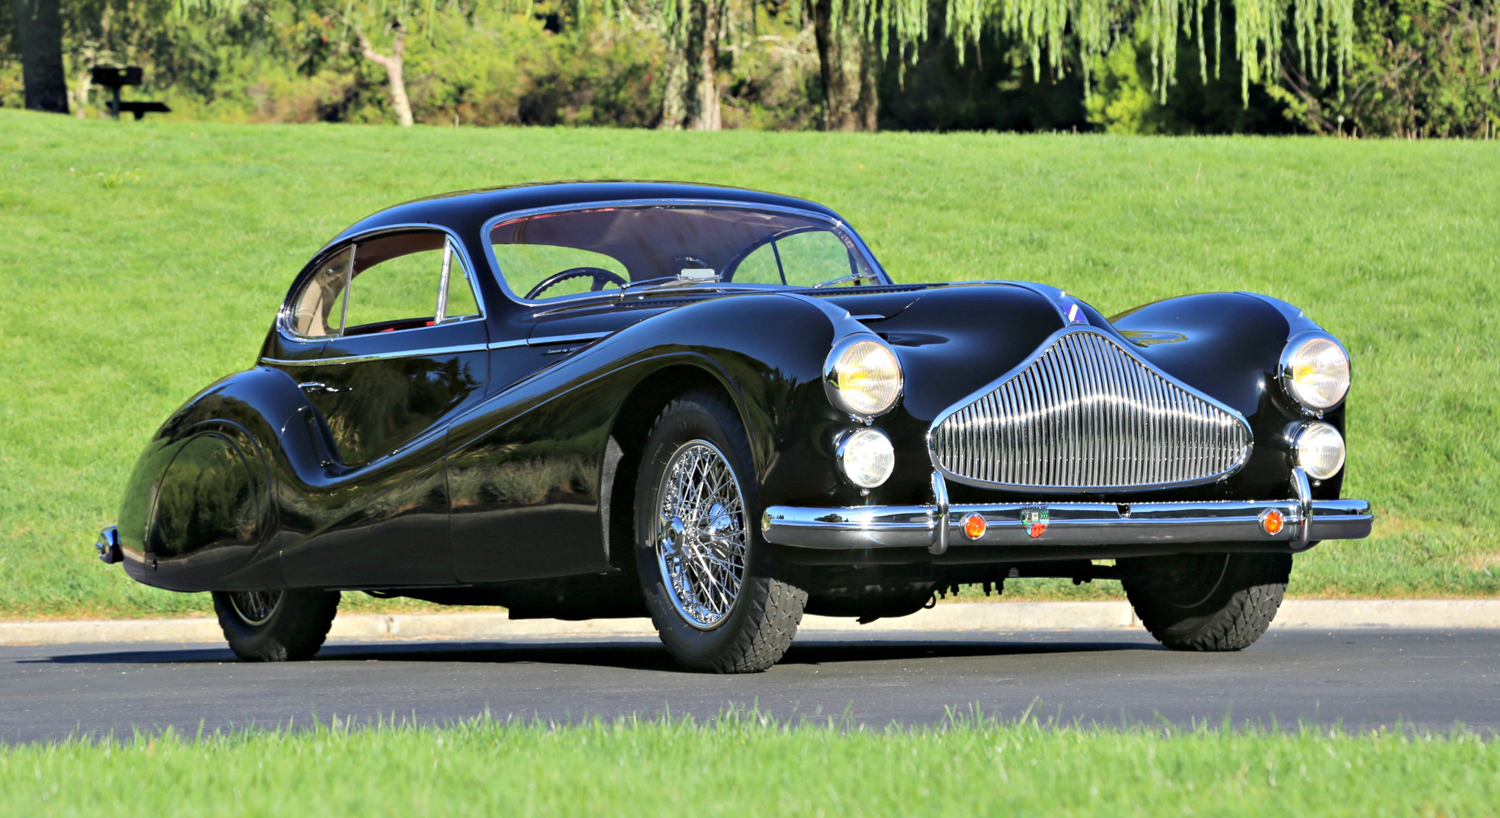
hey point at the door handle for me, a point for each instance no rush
(319, 388)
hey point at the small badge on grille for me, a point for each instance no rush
(1035, 518)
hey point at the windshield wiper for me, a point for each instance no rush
(666, 283)
(870, 275)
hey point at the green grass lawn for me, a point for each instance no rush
(141, 261)
(743, 766)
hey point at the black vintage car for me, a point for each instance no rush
(713, 407)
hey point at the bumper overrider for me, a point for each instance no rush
(1298, 522)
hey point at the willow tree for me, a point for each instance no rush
(855, 36)
(694, 30)
(1054, 30)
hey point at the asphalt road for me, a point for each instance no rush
(1425, 679)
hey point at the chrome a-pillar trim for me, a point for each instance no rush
(1305, 500)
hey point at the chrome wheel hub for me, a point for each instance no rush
(255, 607)
(701, 534)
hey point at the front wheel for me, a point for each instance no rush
(705, 572)
(276, 626)
(1207, 602)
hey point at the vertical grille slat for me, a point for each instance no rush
(1086, 414)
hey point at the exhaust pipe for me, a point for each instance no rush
(108, 546)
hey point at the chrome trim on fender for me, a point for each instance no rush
(1093, 524)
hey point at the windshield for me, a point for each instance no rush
(604, 249)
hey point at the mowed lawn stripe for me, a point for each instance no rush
(742, 765)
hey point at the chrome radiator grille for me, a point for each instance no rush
(1086, 414)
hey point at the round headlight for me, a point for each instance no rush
(862, 376)
(1320, 450)
(1315, 370)
(867, 457)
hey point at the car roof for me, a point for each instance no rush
(466, 211)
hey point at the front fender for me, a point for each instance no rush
(1229, 346)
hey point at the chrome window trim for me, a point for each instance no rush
(282, 315)
(837, 225)
(1041, 350)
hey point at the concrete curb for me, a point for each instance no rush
(956, 618)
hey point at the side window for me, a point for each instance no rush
(461, 302)
(389, 283)
(317, 311)
(813, 257)
(395, 284)
(526, 266)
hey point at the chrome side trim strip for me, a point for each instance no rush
(380, 356)
(1093, 524)
(564, 339)
(549, 339)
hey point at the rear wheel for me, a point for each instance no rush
(276, 626)
(1207, 602)
(704, 570)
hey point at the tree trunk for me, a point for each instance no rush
(39, 28)
(849, 65)
(691, 98)
(394, 70)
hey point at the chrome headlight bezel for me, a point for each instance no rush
(831, 377)
(1294, 345)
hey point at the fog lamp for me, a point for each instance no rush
(867, 457)
(1320, 450)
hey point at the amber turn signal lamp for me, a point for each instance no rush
(974, 526)
(1272, 522)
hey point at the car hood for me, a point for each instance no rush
(954, 339)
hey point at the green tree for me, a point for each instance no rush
(40, 35)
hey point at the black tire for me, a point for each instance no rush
(289, 629)
(756, 628)
(1207, 602)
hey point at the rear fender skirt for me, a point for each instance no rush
(198, 512)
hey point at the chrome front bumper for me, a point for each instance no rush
(937, 526)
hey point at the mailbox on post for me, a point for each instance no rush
(116, 78)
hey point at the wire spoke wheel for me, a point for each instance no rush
(255, 607)
(701, 531)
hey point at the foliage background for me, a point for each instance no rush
(1418, 68)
